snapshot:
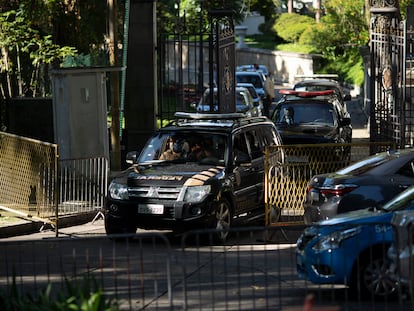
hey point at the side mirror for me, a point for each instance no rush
(131, 157)
(242, 158)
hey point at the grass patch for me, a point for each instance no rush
(270, 42)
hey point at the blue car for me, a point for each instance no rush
(351, 249)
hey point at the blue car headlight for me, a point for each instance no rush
(118, 191)
(334, 239)
(196, 194)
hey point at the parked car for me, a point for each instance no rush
(318, 84)
(201, 171)
(366, 183)
(401, 252)
(244, 102)
(351, 249)
(258, 67)
(312, 118)
(257, 100)
(254, 77)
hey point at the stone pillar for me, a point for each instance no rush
(141, 75)
(241, 32)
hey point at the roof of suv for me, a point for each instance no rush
(320, 85)
(214, 120)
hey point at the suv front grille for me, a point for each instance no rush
(155, 192)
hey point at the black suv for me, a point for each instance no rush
(312, 85)
(200, 171)
(312, 118)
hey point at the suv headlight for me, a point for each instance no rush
(118, 191)
(334, 239)
(196, 194)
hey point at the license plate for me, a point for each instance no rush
(157, 209)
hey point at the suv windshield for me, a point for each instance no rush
(304, 113)
(185, 146)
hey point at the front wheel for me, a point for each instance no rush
(372, 278)
(115, 227)
(222, 220)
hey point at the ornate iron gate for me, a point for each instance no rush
(391, 112)
(189, 62)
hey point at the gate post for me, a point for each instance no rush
(222, 60)
(387, 82)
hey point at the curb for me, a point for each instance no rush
(29, 227)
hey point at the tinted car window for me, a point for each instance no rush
(256, 150)
(178, 146)
(407, 170)
(305, 113)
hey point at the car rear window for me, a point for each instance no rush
(364, 166)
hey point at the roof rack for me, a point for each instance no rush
(209, 116)
(318, 76)
(306, 93)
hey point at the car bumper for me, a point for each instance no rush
(170, 216)
(324, 268)
(314, 212)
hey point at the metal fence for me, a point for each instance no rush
(36, 185)
(286, 182)
(28, 171)
(255, 270)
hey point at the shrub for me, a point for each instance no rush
(84, 296)
(291, 26)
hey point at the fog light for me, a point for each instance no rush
(195, 211)
(113, 208)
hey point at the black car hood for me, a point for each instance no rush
(307, 133)
(170, 174)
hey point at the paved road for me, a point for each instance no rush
(255, 270)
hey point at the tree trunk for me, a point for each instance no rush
(290, 6)
(318, 11)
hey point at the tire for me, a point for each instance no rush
(371, 279)
(115, 227)
(222, 220)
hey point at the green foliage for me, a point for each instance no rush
(24, 54)
(403, 7)
(291, 26)
(82, 296)
(339, 36)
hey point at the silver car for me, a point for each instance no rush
(401, 253)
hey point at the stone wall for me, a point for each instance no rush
(284, 65)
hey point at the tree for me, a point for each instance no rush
(290, 26)
(340, 34)
(25, 53)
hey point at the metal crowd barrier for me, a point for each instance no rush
(38, 186)
(254, 270)
(287, 176)
(28, 175)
